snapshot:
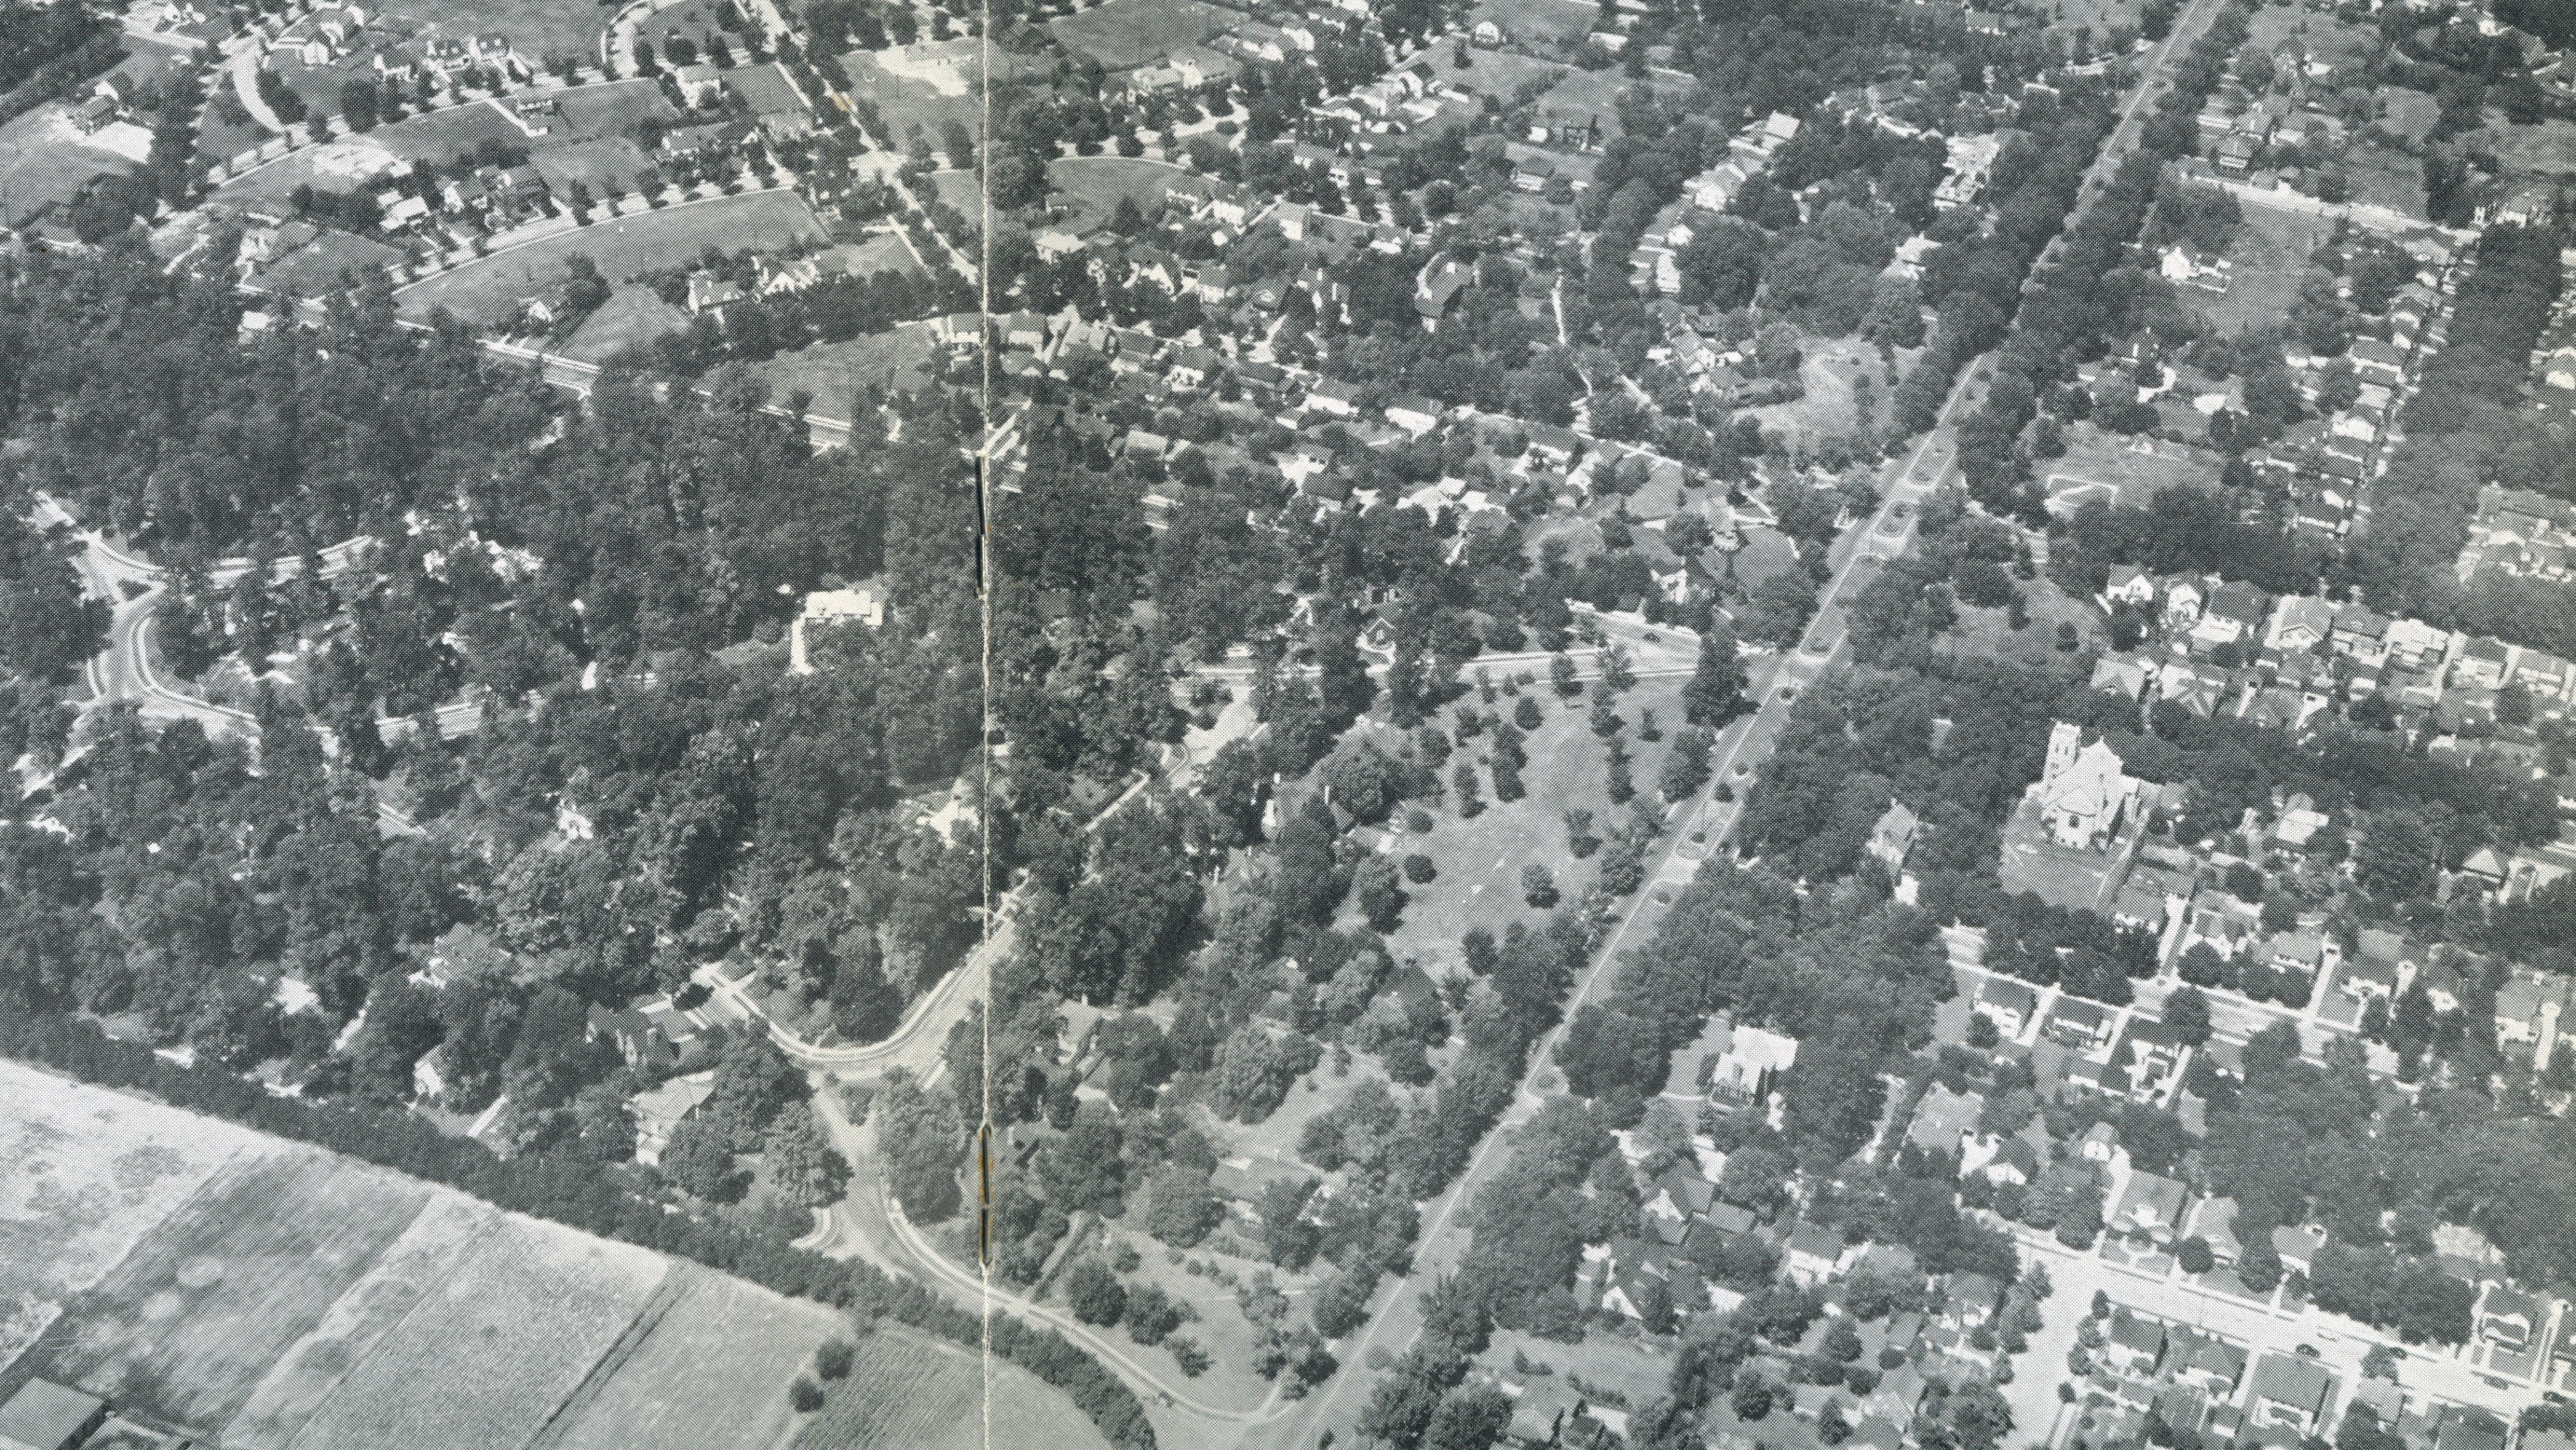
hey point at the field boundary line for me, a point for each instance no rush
(667, 1296)
(482, 1235)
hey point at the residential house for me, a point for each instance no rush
(2150, 1207)
(1414, 414)
(1891, 840)
(2299, 624)
(2509, 1319)
(1815, 1254)
(2132, 1345)
(1749, 1069)
(2235, 612)
(1945, 1121)
(660, 1111)
(2292, 1391)
(2006, 1003)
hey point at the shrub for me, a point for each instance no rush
(1418, 868)
(805, 1395)
(832, 1358)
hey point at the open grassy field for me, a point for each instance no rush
(905, 105)
(44, 159)
(1093, 184)
(1480, 861)
(714, 1370)
(605, 164)
(1122, 34)
(89, 1174)
(492, 1351)
(1536, 24)
(538, 29)
(190, 1322)
(1597, 93)
(311, 1369)
(2129, 478)
(907, 1391)
(833, 371)
(2548, 148)
(632, 317)
(2266, 259)
(489, 289)
(607, 110)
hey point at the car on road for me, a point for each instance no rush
(1819, 645)
(2552, 1396)
(2494, 1383)
(1788, 693)
(2309, 1350)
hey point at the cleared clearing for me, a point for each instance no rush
(713, 1371)
(84, 1174)
(188, 1324)
(487, 1357)
(305, 1376)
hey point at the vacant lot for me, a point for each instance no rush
(89, 1174)
(539, 30)
(1093, 184)
(488, 290)
(207, 1302)
(2548, 148)
(490, 1353)
(713, 1371)
(834, 371)
(1123, 34)
(2266, 258)
(632, 317)
(907, 107)
(608, 165)
(1537, 24)
(607, 110)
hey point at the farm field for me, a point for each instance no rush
(714, 1370)
(907, 1391)
(89, 1174)
(264, 1295)
(189, 1323)
(489, 289)
(539, 1305)
(1124, 34)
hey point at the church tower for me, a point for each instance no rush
(2062, 741)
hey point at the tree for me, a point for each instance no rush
(1538, 885)
(2187, 1013)
(1715, 694)
(1184, 1207)
(805, 1395)
(2259, 1263)
(699, 1161)
(802, 1163)
(1094, 1294)
(2194, 1255)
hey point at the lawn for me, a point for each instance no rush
(2546, 149)
(1535, 24)
(2129, 478)
(834, 371)
(1093, 184)
(489, 289)
(194, 1317)
(90, 1173)
(538, 1304)
(906, 106)
(2267, 257)
(614, 109)
(1123, 34)
(1824, 410)
(714, 1370)
(1597, 93)
(539, 30)
(1988, 633)
(1229, 1339)
(910, 1392)
(44, 160)
(1480, 861)
(608, 165)
(632, 317)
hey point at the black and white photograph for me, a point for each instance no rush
(1288, 724)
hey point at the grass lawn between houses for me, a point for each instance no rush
(1124, 34)
(489, 289)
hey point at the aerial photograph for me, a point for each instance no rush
(1288, 724)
